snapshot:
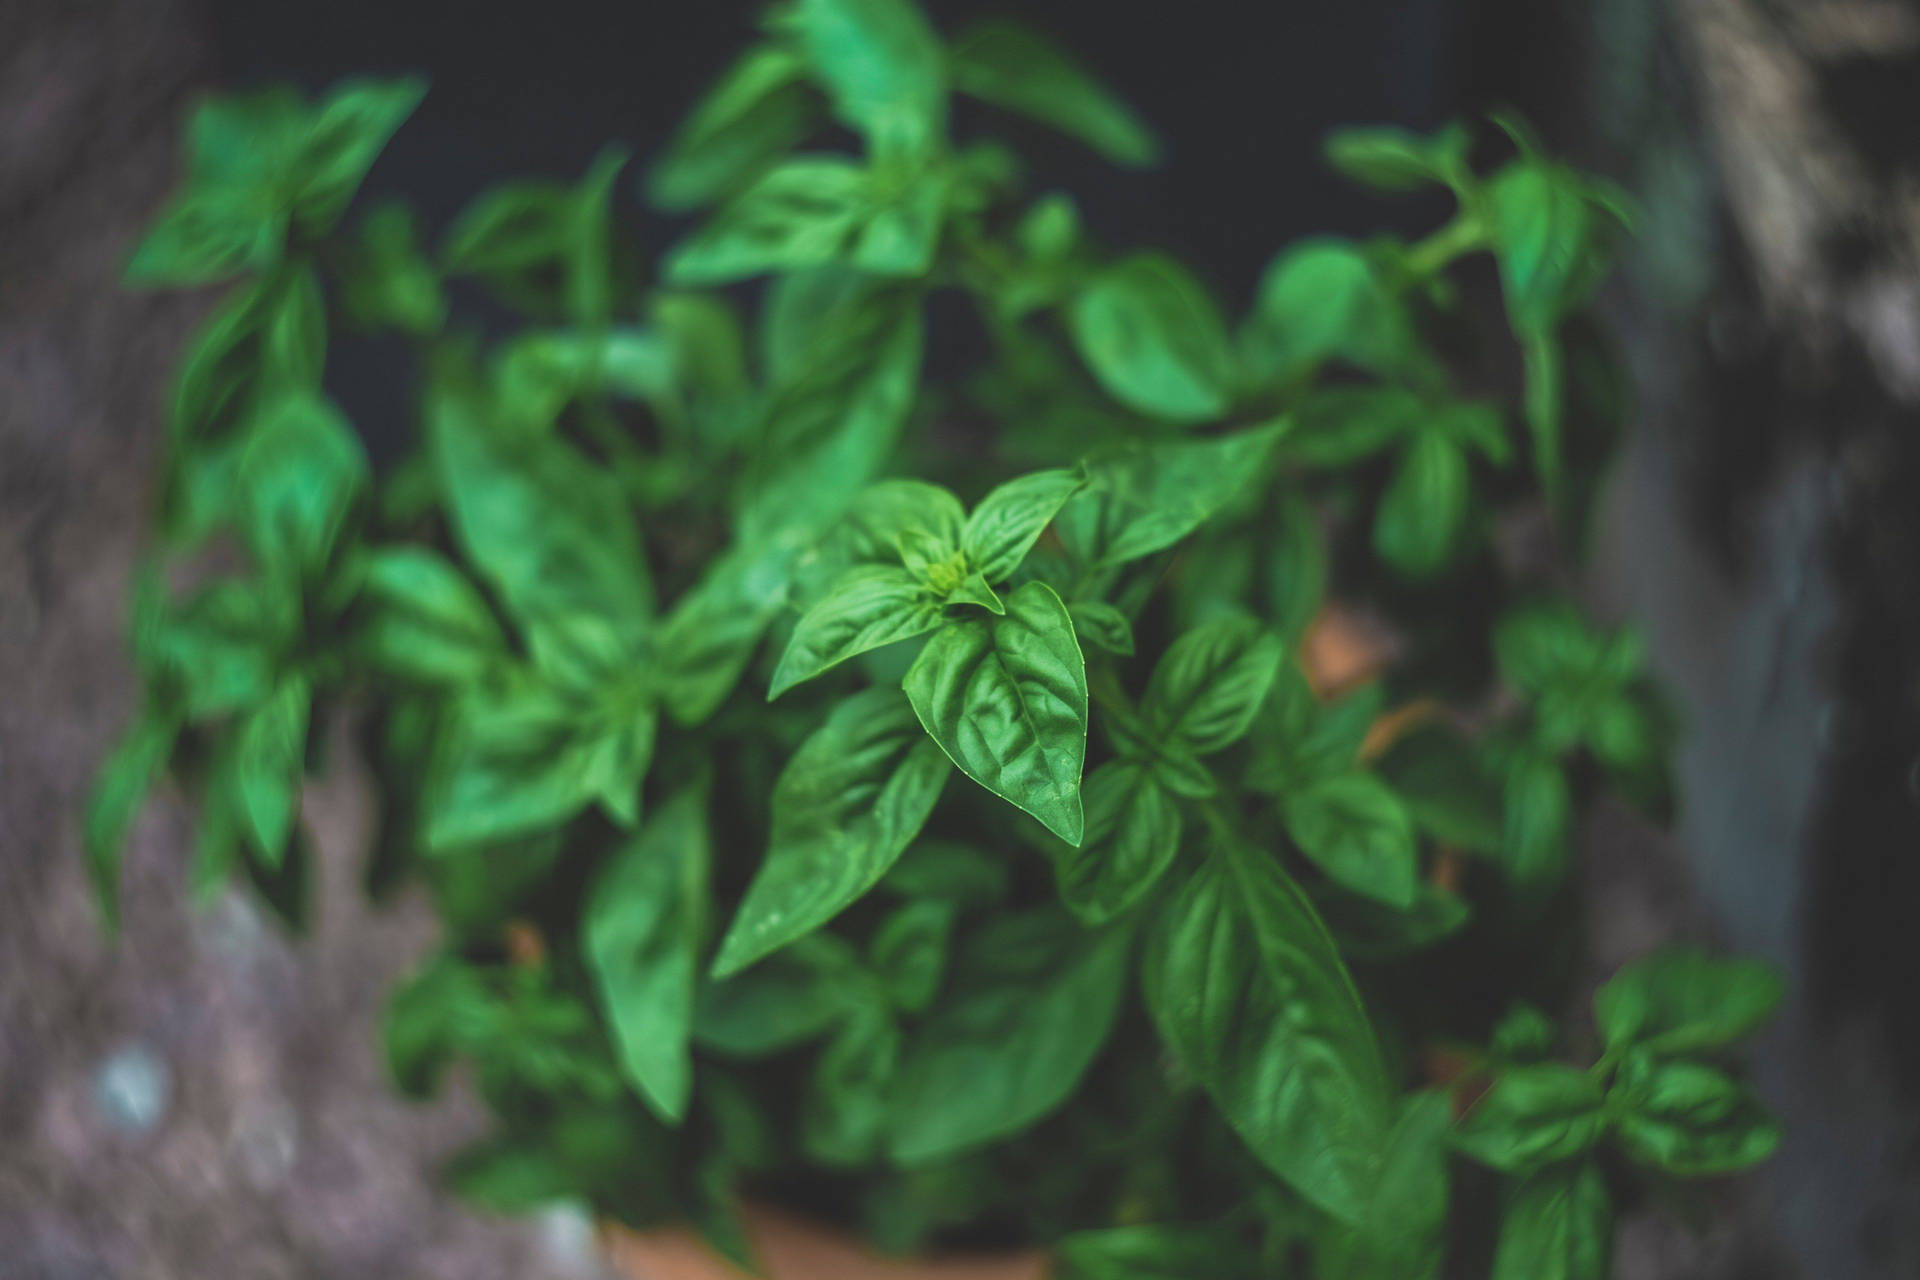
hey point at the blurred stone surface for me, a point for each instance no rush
(205, 1099)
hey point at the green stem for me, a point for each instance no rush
(1460, 237)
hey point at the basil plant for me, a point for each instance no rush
(874, 701)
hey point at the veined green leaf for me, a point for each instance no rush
(1143, 499)
(846, 806)
(1206, 691)
(1034, 998)
(1006, 699)
(1247, 989)
(869, 606)
(1009, 520)
(1133, 832)
(1402, 1233)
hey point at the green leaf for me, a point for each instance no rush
(834, 417)
(348, 132)
(974, 590)
(430, 1015)
(1297, 568)
(1398, 160)
(870, 606)
(882, 65)
(1355, 829)
(794, 995)
(641, 934)
(1340, 426)
(268, 338)
(510, 236)
(1558, 1226)
(1006, 699)
(759, 110)
(909, 952)
(544, 247)
(1322, 300)
(1688, 1118)
(125, 778)
(1681, 1000)
(1034, 998)
(1401, 1234)
(300, 474)
(1553, 231)
(901, 233)
(1369, 930)
(1155, 1252)
(549, 530)
(1155, 340)
(843, 1118)
(424, 620)
(1424, 509)
(1133, 832)
(1010, 66)
(273, 752)
(803, 213)
(1145, 498)
(520, 758)
(1448, 787)
(1206, 691)
(895, 519)
(386, 279)
(1533, 1116)
(1009, 520)
(207, 235)
(1248, 991)
(1539, 816)
(947, 871)
(221, 651)
(708, 637)
(846, 806)
(1102, 626)
(233, 138)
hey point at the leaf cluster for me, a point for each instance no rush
(953, 803)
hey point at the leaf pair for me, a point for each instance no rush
(264, 165)
(942, 558)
